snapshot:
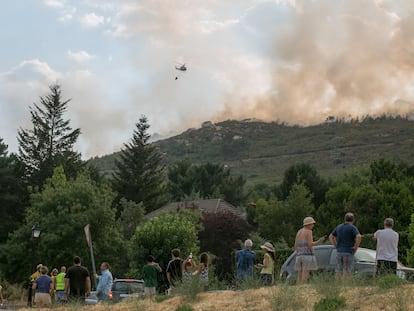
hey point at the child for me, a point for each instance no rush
(188, 268)
(203, 271)
(150, 272)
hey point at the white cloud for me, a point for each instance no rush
(80, 57)
(92, 20)
(54, 3)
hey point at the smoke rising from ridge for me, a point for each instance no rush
(339, 58)
(296, 61)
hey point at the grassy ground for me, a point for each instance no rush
(318, 296)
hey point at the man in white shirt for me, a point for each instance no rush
(387, 248)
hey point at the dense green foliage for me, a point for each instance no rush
(50, 142)
(62, 210)
(158, 236)
(221, 237)
(11, 209)
(209, 181)
(139, 175)
(279, 220)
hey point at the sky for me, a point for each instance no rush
(292, 61)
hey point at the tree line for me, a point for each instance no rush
(47, 183)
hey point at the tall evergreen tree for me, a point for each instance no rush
(11, 200)
(139, 173)
(50, 142)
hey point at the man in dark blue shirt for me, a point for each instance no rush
(245, 260)
(346, 238)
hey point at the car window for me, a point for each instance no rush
(136, 287)
(322, 256)
(121, 286)
(365, 255)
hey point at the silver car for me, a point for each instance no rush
(364, 264)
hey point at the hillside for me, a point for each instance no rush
(262, 151)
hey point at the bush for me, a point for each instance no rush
(184, 308)
(330, 304)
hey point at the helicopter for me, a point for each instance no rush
(181, 67)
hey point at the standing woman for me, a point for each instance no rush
(202, 270)
(268, 265)
(43, 285)
(305, 258)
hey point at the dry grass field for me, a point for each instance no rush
(366, 298)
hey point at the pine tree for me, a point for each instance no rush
(50, 142)
(11, 198)
(138, 175)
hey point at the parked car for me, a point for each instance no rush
(92, 299)
(364, 264)
(124, 288)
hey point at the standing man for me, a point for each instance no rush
(174, 268)
(245, 260)
(150, 272)
(60, 285)
(387, 248)
(77, 281)
(346, 238)
(104, 282)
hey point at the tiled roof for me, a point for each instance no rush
(208, 206)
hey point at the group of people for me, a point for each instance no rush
(178, 271)
(345, 238)
(73, 284)
(246, 261)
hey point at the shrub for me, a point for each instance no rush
(184, 308)
(330, 304)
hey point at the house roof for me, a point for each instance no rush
(207, 206)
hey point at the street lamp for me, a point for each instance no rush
(35, 235)
(36, 231)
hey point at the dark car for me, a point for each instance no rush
(124, 288)
(364, 264)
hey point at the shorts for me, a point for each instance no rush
(385, 267)
(265, 279)
(149, 290)
(344, 262)
(43, 300)
(306, 262)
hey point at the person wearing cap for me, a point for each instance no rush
(266, 274)
(346, 238)
(305, 258)
(33, 278)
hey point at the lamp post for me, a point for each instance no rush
(35, 235)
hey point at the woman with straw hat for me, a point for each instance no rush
(305, 258)
(266, 274)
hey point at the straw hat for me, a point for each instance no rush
(308, 221)
(268, 246)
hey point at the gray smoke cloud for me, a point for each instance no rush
(341, 58)
(293, 61)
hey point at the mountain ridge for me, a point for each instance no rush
(262, 151)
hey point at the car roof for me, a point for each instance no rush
(128, 280)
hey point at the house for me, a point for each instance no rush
(207, 206)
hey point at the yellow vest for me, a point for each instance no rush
(60, 281)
